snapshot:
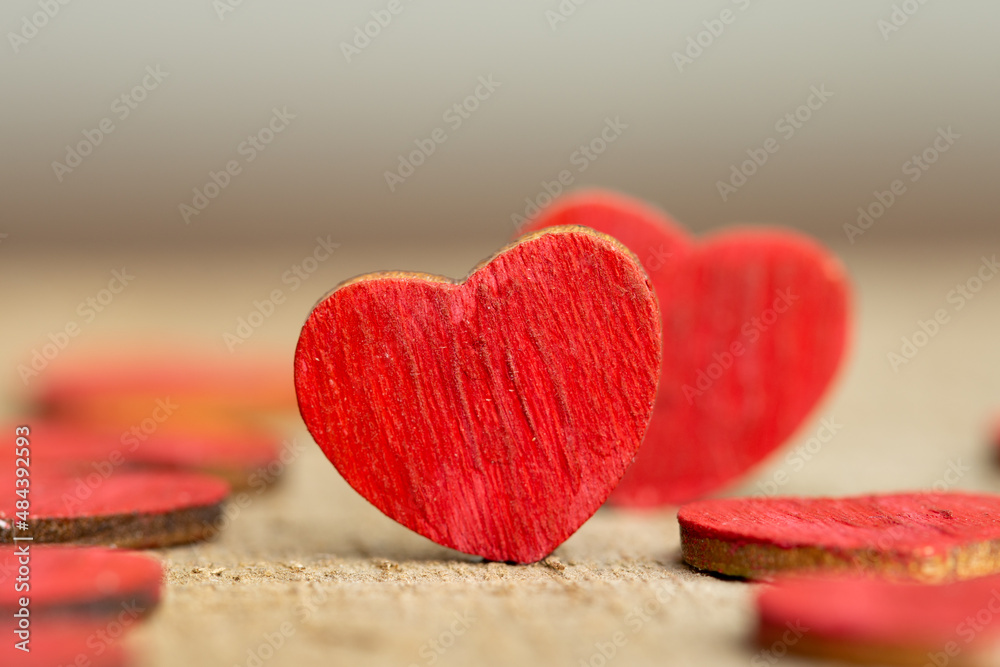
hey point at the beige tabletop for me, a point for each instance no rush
(309, 574)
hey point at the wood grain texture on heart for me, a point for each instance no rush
(927, 537)
(755, 325)
(875, 621)
(494, 415)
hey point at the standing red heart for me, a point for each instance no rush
(755, 324)
(496, 415)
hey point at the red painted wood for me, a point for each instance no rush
(238, 451)
(719, 414)
(81, 580)
(858, 614)
(66, 643)
(493, 416)
(110, 506)
(56, 495)
(902, 524)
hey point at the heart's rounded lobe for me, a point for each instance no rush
(493, 416)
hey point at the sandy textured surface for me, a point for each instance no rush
(309, 574)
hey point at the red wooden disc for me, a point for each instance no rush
(127, 509)
(755, 325)
(80, 580)
(493, 416)
(878, 621)
(929, 537)
(239, 455)
(129, 383)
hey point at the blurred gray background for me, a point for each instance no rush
(359, 103)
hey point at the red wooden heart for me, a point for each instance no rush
(493, 416)
(755, 325)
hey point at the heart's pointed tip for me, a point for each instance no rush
(513, 560)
